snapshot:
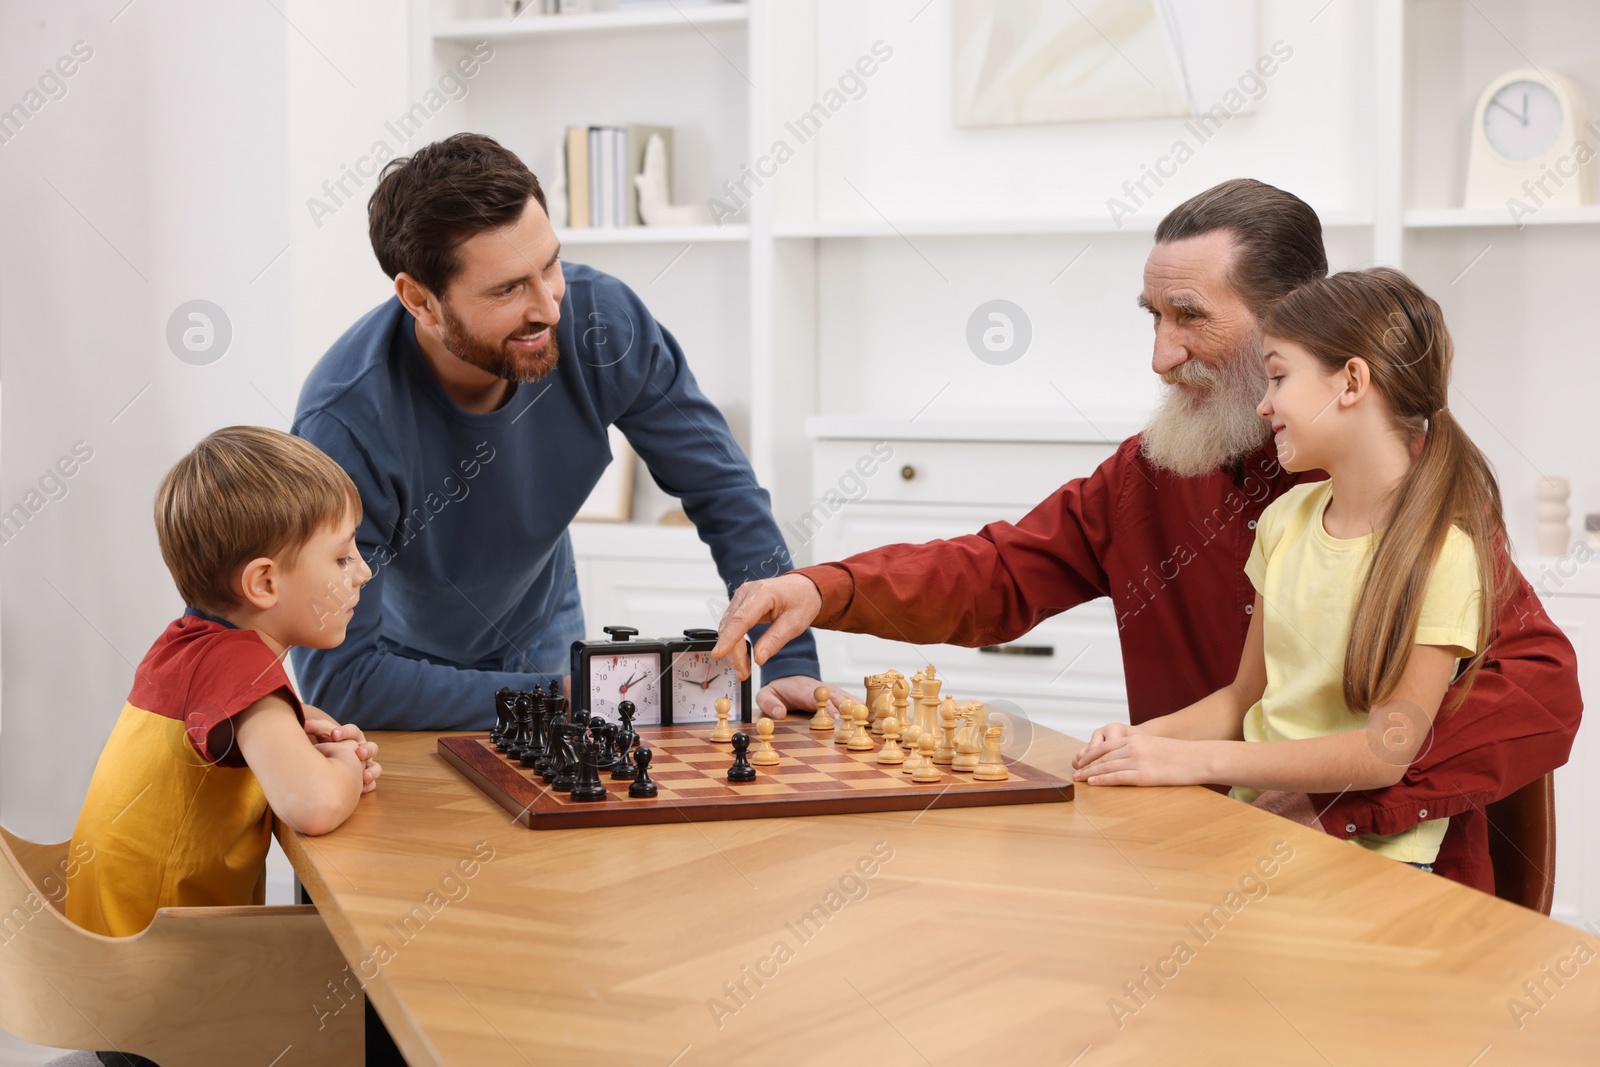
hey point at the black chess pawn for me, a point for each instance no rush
(622, 769)
(629, 736)
(642, 788)
(741, 771)
(521, 727)
(589, 787)
(502, 717)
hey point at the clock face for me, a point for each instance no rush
(1523, 120)
(635, 676)
(697, 682)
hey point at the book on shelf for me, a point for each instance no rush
(578, 177)
(602, 162)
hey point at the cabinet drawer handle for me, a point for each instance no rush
(908, 472)
(1019, 650)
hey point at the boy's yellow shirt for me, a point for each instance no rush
(1309, 582)
(173, 815)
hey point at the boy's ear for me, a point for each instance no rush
(257, 584)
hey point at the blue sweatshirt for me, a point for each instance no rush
(465, 515)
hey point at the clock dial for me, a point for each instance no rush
(635, 676)
(697, 682)
(1522, 120)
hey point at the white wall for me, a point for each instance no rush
(158, 178)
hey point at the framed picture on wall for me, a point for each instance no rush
(1028, 61)
(612, 498)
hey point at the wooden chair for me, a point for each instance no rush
(198, 987)
(1522, 844)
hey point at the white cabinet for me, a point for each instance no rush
(660, 580)
(1577, 895)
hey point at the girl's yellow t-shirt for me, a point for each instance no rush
(1309, 582)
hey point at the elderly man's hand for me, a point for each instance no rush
(797, 692)
(790, 603)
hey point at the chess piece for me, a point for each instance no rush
(902, 703)
(1551, 535)
(566, 764)
(991, 768)
(911, 736)
(642, 788)
(741, 771)
(845, 728)
(969, 741)
(945, 752)
(891, 752)
(723, 731)
(928, 702)
(522, 727)
(765, 755)
(879, 710)
(589, 787)
(622, 770)
(861, 740)
(873, 683)
(821, 720)
(927, 770)
(502, 716)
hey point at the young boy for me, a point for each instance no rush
(258, 530)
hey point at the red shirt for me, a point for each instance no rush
(1170, 553)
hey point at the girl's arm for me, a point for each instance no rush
(1219, 716)
(1372, 758)
(312, 787)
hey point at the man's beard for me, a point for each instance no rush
(1192, 435)
(496, 358)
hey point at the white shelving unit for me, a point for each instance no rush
(833, 307)
(531, 26)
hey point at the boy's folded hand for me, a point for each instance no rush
(320, 730)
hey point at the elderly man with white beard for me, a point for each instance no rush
(1164, 527)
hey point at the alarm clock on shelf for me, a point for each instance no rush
(671, 681)
(1525, 143)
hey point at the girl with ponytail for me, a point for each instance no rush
(1374, 588)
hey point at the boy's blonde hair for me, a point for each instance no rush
(242, 493)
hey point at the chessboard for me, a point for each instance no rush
(814, 777)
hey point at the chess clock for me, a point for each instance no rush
(670, 681)
(1525, 143)
(605, 673)
(698, 680)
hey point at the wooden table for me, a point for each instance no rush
(1128, 925)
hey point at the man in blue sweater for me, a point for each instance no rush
(471, 410)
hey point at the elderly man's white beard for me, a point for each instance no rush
(1194, 435)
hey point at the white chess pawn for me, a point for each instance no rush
(821, 721)
(927, 770)
(891, 752)
(912, 736)
(861, 740)
(765, 755)
(724, 731)
(991, 767)
(846, 726)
